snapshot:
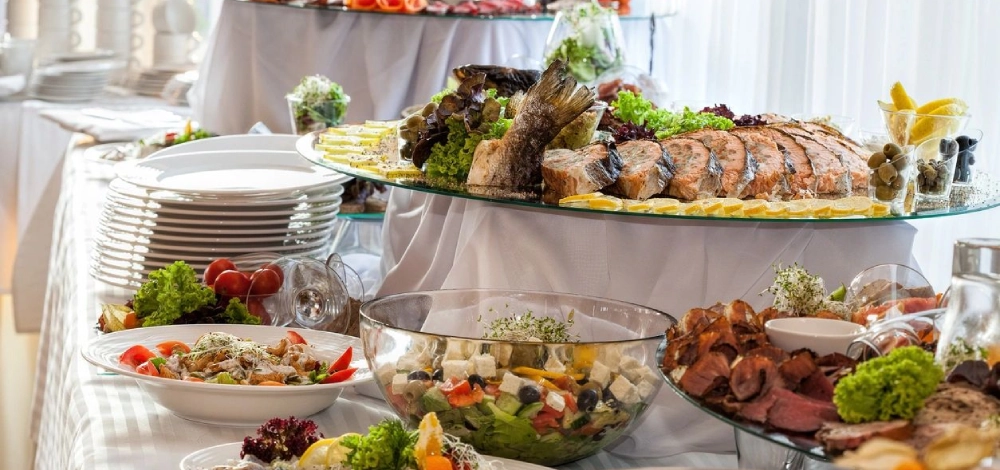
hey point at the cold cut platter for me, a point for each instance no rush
(536, 139)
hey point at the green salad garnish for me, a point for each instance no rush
(592, 47)
(449, 161)
(528, 327)
(174, 291)
(888, 387)
(388, 446)
(803, 294)
(319, 102)
(634, 109)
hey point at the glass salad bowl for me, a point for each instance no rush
(544, 402)
(589, 38)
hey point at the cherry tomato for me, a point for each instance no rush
(256, 308)
(147, 368)
(295, 338)
(339, 376)
(342, 362)
(233, 283)
(277, 270)
(264, 282)
(136, 355)
(217, 267)
(167, 348)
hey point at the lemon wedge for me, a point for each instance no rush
(666, 206)
(632, 205)
(900, 98)
(799, 209)
(755, 208)
(316, 453)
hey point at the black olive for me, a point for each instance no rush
(587, 400)
(528, 394)
(438, 375)
(418, 375)
(476, 379)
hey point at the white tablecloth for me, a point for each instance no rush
(83, 419)
(437, 242)
(258, 53)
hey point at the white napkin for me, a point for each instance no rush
(107, 125)
(11, 84)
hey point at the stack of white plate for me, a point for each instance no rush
(150, 82)
(73, 81)
(200, 206)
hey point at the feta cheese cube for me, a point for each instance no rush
(485, 365)
(385, 373)
(553, 365)
(409, 362)
(624, 391)
(556, 401)
(502, 352)
(511, 384)
(600, 374)
(649, 375)
(629, 362)
(645, 389)
(457, 349)
(455, 368)
(399, 384)
(611, 356)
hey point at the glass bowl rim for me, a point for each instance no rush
(965, 115)
(367, 304)
(293, 98)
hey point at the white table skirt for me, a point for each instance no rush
(83, 419)
(258, 53)
(437, 242)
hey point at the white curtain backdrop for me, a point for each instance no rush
(838, 57)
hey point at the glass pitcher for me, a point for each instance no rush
(971, 327)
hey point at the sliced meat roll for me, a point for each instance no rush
(581, 171)
(699, 174)
(646, 169)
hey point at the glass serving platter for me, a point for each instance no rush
(982, 194)
(798, 443)
(544, 16)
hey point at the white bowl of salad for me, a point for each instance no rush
(540, 377)
(233, 375)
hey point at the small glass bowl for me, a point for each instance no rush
(315, 118)
(935, 171)
(907, 128)
(917, 329)
(897, 187)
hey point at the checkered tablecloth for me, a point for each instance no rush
(84, 419)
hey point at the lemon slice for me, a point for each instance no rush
(341, 149)
(798, 209)
(821, 208)
(666, 206)
(712, 207)
(632, 205)
(345, 130)
(691, 208)
(880, 209)
(855, 205)
(381, 124)
(732, 207)
(776, 210)
(607, 203)
(754, 208)
(580, 197)
(316, 453)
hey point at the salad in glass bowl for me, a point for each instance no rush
(317, 103)
(589, 38)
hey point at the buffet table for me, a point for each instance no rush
(439, 242)
(85, 419)
(258, 52)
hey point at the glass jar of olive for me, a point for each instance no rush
(890, 180)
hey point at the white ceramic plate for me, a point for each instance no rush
(167, 198)
(182, 249)
(174, 241)
(217, 222)
(149, 261)
(320, 205)
(229, 405)
(230, 173)
(135, 226)
(221, 454)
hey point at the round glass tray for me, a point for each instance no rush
(982, 194)
(548, 16)
(801, 443)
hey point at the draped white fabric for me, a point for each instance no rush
(838, 57)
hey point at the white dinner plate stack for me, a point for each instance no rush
(150, 82)
(200, 206)
(73, 81)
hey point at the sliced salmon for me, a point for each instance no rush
(646, 170)
(699, 174)
(774, 167)
(585, 170)
(738, 166)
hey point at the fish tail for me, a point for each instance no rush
(556, 97)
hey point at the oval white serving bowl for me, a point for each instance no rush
(823, 336)
(230, 405)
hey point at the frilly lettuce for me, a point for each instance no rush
(388, 446)
(633, 108)
(888, 387)
(170, 293)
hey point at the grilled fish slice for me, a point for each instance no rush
(581, 171)
(774, 168)
(646, 169)
(699, 174)
(857, 168)
(515, 161)
(738, 166)
(832, 177)
(803, 179)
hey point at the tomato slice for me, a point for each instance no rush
(339, 376)
(168, 348)
(462, 400)
(390, 5)
(147, 368)
(570, 402)
(342, 362)
(363, 4)
(457, 387)
(545, 421)
(295, 338)
(414, 6)
(194, 379)
(135, 356)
